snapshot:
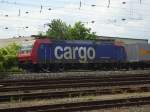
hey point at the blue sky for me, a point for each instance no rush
(123, 18)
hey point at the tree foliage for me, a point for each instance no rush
(60, 30)
(8, 57)
(80, 32)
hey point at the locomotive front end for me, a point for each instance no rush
(25, 55)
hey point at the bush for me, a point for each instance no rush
(1, 67)
(8, 57)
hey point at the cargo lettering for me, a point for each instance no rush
(83, 53)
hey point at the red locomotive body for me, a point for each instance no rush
(27, 55)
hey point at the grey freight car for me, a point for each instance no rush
(138, 52)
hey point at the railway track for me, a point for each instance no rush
(83, 106)
(26, 87)
(73, 85)
(73, 80)
(65, 81)
(75, 93)
(69, 87)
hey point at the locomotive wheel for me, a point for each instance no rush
(61, 67)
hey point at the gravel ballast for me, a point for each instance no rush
(33, 76)
(20, 103)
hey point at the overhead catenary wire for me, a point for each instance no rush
(41, 7)
(101, 22)
(68, 8)
(13, 18)
(82, 10)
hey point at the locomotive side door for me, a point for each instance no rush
(44, 53)
(120, 54)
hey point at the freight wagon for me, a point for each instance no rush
(48, 55)
(138, 55)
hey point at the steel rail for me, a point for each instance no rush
(74, 93)
(73, 85)
(76, 77)
(83, 106)
(71, 80)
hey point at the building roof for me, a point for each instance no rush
(19, 40)
(121, 38)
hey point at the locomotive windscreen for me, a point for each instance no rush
(27, 47)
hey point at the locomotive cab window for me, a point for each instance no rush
(26, 48)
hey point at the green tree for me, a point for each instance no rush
(80, 32)
(60, 30)
(40, 35)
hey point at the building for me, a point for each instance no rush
(18, 40)
(123, 40)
